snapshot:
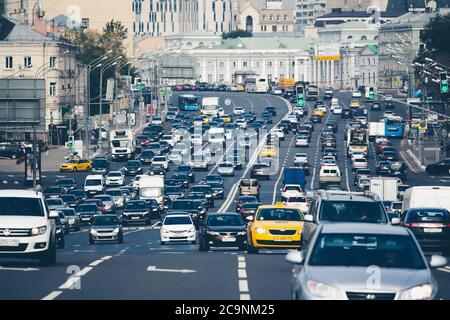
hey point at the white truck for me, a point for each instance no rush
(376, 129)
(122, 144)
(427, 197)
(384, 187)
(210, 106)
(216, 135)
(152, 187)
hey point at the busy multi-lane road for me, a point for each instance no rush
(143, 268)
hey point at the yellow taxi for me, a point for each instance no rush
(76, 165)
(275, 226)
(240, 88)
(268, 151)
(205, 119)
(226, 118)
(319, 113)
(355, 104)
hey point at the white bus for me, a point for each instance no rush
(262, 86)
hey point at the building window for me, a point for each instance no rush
(274, 28)
(9, 62)
(221, 77)
(209, 78)
(269, 64)
(264, 17)
(281, 63)
(221, 64)
(234, 63)
(278, 18)
(270, 18)
(244, 64)
(52, 63)
(52, 91)
(269, 77)
(257, 63)
(349, 38)
(282, 76)
(363, 38)
(27, 62)
(285, 17)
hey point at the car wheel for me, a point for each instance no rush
(251, 249)
(48, 257)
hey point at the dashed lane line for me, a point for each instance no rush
(244, 292)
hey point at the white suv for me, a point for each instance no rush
(27, 229)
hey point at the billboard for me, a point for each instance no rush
(327, 52)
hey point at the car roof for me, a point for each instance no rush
(20, 193)
(363, 228)
(347, 196)
(223, 213)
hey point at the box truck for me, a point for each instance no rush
(384, 187)
(152, 187)
(426, 197)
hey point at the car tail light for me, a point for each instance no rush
(425, 225)
(244, 211)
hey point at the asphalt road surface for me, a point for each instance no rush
(142, 268)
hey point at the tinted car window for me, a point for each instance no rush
(15, 206)
(441, 216)
(352, 211)
(177, 220)
(104, 221)
(225, 220)
(268, 214)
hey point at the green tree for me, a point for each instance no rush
(237, 34)
(92, 45)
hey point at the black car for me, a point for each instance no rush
(106, 227)
(331, 124)
(11, 151)
(221, 87)
(54, 192)
(60, 233)
(266, 117)
(398, 169)
(319, 103)
(146, 156)
(249, 209)
(154, 208)
(223, 230)
(157, 170)
(389, 156)
(316, 118)
(347, 113)
(285, 125)
(80, 194)
(194, 207)
(330, 151)
(182, 180)
(207, 190)
(383, 168)
(198, 196)
(236, 161)
(310, 124)
(431, 226)
(136, 211)
(132, 168)
(218, 189)
(440, 168)
(174, 192)
(389, 105)
(244, 199)
(86, 211)
(272, 110)
(70, 200)
(213, 178)
(100, 165)
(375, 106)
(187, 170)
(67, 184)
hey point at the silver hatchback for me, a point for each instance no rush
(360, 261)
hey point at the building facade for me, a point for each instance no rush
(367, 66)
(27, 54)
(357, 5)
(307, 11)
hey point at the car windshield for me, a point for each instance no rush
(249, 183)
(53, 190)
(114, 174)
(87, 208)
(68, 197)
(114, 193)
(268, 214)
(352, 211)
(201, 189)
(428, 215)
(54, 202)
(135, 205)
(63, 182)
(104, 221)
(16, 206)
(294, 188)
(159, 159)
(363, 250)
(133, 164)
(225, 220)
(184, 205)
(78, 193)
(169, 189)
(177, 220)
(93, 182)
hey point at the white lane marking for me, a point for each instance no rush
(281, 171)
(95, 263)
(106, 258)
(244, 293)
(154, 269)
(445, 270)
(52, 295)
(18, 269)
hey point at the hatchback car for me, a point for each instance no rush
(105, 227)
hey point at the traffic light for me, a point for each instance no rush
(69, 143)
(300, 96)
(138, 83)
(371, 93)
(443, 82)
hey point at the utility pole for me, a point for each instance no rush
(34, 158)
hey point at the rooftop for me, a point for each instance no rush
(361, 14)
(11, 30)
(272, 43)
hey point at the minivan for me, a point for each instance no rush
(94, 184)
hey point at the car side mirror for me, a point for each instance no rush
(437, 261)
(53, 214)
(294, 257)
(309, 218)
(249, 218)
(395, 221)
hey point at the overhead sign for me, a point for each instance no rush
(131, 119)
(327, 52)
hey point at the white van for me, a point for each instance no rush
(329, 175)
(427, 197)
(152, 187)
(94, 184)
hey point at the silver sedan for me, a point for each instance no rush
(356, 261)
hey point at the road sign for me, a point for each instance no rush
(423, 125)
(227, 102)
(162, 91)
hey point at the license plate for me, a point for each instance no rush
(229, 239)
(134, 218)
(9, 243)
(432, 230)
(281, 238)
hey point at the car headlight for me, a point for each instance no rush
(242, 233)
(38, 231)
(58, 230)
(261, 230)
(322, 290)
(422, 292)
(164, 231)
(213, 233)
(93, 232)
(116, 230)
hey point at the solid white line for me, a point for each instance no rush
(445, 270)
(106, 258)
(242, 273)
(241, 258)
(243, 286)
(276, 185)
(52, 295)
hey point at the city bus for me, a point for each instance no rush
(188, 102)
(394, 127)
